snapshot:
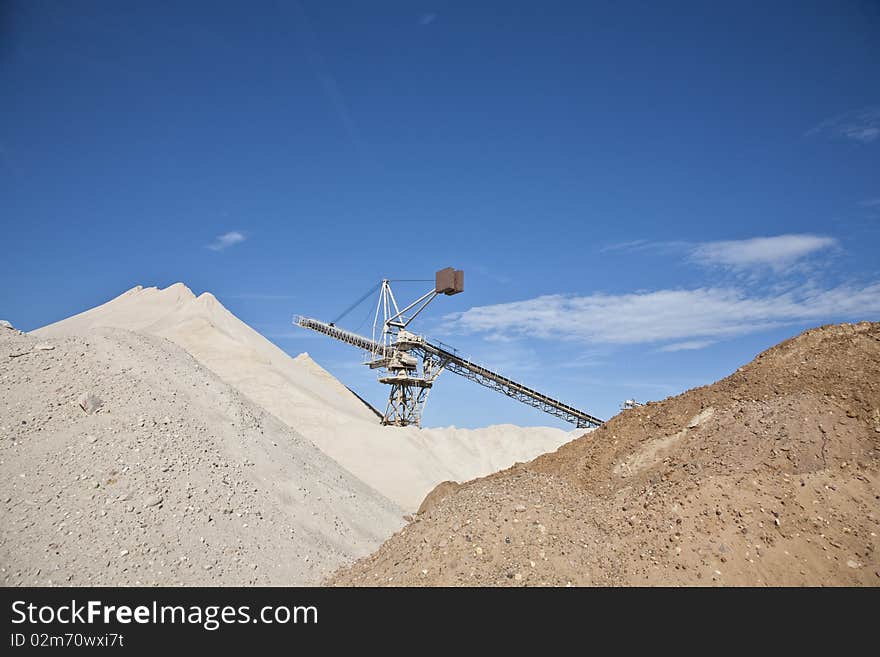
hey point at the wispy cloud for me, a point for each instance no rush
(427, 19)
(667, 316)
(687, 345)
(328, 83)
(860, 125)
(669, 246)
(584, 360)
(870, 203)
(632, 245)
(224, 241)
(779, 253)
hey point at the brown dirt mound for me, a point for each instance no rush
(440, 491)
(767, 477)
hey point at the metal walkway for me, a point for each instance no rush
(448, 359)
(340, 334)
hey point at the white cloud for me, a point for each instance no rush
(870, 203)
(861, 125)
(427, 19)
(688, 345)
(779, 253)
(683, 316)
(226, 240)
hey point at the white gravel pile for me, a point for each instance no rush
(124, 461)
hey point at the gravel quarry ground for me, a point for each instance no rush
(147, 442)
(123, 461)
(768, 477)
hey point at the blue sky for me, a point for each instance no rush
(642, 195)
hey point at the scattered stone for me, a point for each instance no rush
(123, 553)
(6, 324)
(153, 500)
(90, 403)
(852, 563)
(43, 346)
(519, 508)
(701, 417)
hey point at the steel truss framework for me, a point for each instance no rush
(405, 404)
(408, 396)
(516, 391)
(412, 363)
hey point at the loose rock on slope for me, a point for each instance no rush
(175, 478)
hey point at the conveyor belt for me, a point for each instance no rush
(354, 339)
(463, 367)
(518, 391)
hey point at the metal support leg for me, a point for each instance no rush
(405, 405)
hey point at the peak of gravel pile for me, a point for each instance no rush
(402, 463)
(227, 346)
(770, 476)
(123, 461)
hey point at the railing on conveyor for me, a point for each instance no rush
(463, 367)
(512, 389)
(354, 339)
